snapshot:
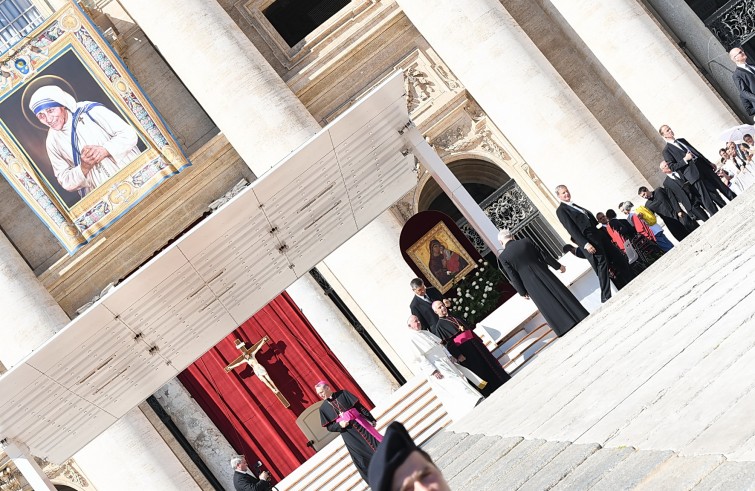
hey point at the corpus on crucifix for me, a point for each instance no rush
(248, 356)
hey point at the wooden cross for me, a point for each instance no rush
(248, 356)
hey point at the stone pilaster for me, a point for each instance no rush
(650, 68)
(526, 98)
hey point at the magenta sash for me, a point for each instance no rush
(463, 337)
(354, 415)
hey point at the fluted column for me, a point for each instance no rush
(650, 68)
(236, 86)
(526, 98)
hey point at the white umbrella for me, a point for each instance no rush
(737, 133)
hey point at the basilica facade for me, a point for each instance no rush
(516, 97)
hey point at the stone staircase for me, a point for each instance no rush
(483, 462)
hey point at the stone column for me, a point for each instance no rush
(130, 455)
(30, 314)
(369, 266)
(342, 339)
(650, 68)
(198, 429)
(249, 102)
(526, 98)
(703, 46)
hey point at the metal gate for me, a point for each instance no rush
(508, 207)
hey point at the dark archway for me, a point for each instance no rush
(479, 178)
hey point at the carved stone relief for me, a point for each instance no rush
(67, 473)
(472, 133)
(426, 80)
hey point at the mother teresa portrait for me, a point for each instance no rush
(87, 143)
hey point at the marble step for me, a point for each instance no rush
(483, 462)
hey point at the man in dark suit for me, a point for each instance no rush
(581, 225)
(678, 189)
(422, 303)
(744, 79)
(658, 201)
(243, 480)
(690, 163)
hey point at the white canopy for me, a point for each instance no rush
(184, 301)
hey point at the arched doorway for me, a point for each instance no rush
(500, 197)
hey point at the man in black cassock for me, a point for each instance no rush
(360, 442)
(468, 349)
(526, 268)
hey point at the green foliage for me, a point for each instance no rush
(477, 294)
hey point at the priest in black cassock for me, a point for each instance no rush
(468, 349)
(527, 269)
(341, 412)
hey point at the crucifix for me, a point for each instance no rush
(248, 356)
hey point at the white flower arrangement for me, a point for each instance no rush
(474, 299)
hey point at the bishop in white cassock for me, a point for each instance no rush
(446, 380)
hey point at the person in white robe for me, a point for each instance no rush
(437, 364)
(87, 143)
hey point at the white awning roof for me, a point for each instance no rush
(185, 300)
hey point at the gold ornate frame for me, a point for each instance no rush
(70, 35)
(419, 252)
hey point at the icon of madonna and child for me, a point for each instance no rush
(444, 263)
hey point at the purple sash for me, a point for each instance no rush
(463, 337)
(354, 415)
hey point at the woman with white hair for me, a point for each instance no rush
(527, 270)
(87, 143)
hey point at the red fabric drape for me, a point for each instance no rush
(242, 407)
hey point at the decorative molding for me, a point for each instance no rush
(404, 208)
(548, 193)
(68, 472)
(470, 136)
(236, 189)
(94, 299)
(425, 80)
